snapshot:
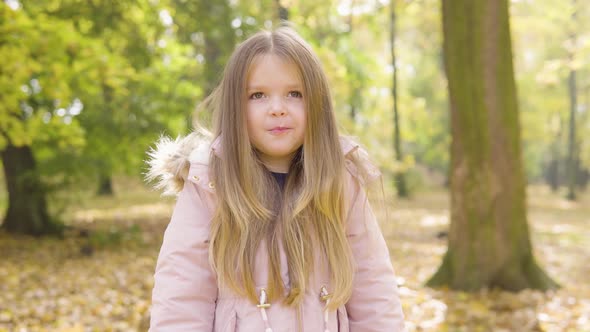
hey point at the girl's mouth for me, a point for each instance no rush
(279, 130)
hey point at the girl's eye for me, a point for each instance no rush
(256, 95)
(295, 94)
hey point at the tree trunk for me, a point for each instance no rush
(219, 43)
(554, 169)
(572, 170)
(489, 244)
(354, 95)
(283, 11)
(105, 185)
(400, 178)
(27, 207)
(355, 79)
(583, 178)
(552, 174)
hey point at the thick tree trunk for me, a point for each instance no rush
(27, 207)
(400, 178)
(489, 243)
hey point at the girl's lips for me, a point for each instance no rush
(279, 130)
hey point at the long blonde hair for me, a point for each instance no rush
(308, 217)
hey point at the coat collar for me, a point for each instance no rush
(172, 162)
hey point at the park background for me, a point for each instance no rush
(87, 87)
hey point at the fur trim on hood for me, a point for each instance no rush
(169, 160)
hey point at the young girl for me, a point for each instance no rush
(272, 230)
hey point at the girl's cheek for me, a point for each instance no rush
(257, 103)
(295, 101)
(263, 101)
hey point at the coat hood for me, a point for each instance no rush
(169, 161)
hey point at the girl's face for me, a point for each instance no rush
(275, 111)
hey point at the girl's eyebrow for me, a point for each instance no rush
(294, 86)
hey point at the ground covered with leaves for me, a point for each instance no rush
(560, 236)
(100, 276)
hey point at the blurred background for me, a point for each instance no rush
(87, 87)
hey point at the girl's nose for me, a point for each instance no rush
(277, 107)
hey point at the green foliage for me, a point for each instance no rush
(33, 79)
(91, 85)
(549, 42)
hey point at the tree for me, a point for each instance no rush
(489, 243)
(126, 33)
(34, 108)
(400, 179)
(573, 153)
(62, 57)
(211, 35)
(552, 51)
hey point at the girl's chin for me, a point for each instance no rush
(283, 153)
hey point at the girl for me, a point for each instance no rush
(272, 230)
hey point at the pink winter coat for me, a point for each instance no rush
(186, 296)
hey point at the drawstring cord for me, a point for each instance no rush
(325, 296)
(263, 305)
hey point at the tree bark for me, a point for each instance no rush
(27, 205)
(400, 178)
(489, 244)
